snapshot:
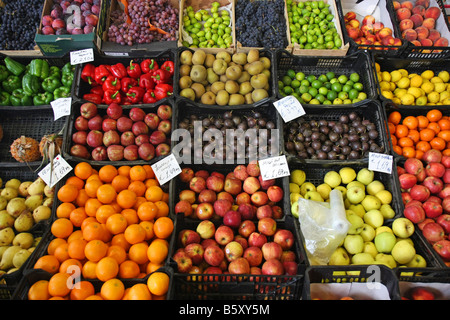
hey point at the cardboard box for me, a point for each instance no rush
(342, 51)
(206, 5)
(116, 49)
(59, 45)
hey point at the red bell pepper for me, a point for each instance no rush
(149, 97)
(111, 96)
(149, 65)
(169, 66)
(111, 82)
(119, 70)
(88, 73)
(101, 73)
(128, 83)
(93, 97)
(136, 94)
(146, 81)
(97, 90)
(134, 70)
(163, 90)
(161, 76)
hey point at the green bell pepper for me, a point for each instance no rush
(42, 98)
(14, 66)
(50, 84)
(5, 98)
(4, 73)
(68, 68)
(67, 79)
(54, 71)
(20, 98)
(61, 92)
(31, 84)
(11, 83)
(39, 68)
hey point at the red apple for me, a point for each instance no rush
(446, 204)
(186, 175)
(233, 186)
(257, 239)
(419, 192)
(424, 222)
(406, 197)
(277, 212)
(421, 293)
(243, 241)
(253, 169)
(434, 184)
(88, 110)
(233, 250)
(246, 228)
(213, 270)
(265, 184)
(127, 138)
(239, 266)
(432, 209)
(197, 184)
(264, 211)
(272, 267)
(213, 255)
(223, 195)
(162, 149)
(232, 219)
(222, 206)
(259, 198)
(114, 111)
(285, 238)
(195, 251)
(251, 185)
(413, 166)
(187, 195)
(247, 211)
(137, 114)
(202, 173)
(242, 197)
(131, 152)
(445, 161)
(240, 172)
(157, 137)
(444, 221)
(445, 192)
(432, 155)
(152, 120)
(94, 138)
(223, 235)
(206, 229)
(99, 153)
(187, 236)
(164, 111)
(288, 255)
(95, 123)
(81, 123)
(275, 193)
(79, 137)
(146, 151)
(79, 150)
(442, 247)
(271, 250)
(184, 262)
(124, 124)
(267, 226)
(415, 213)
(215, 183)
(446, 176)
(111, 137)
(254, 256)
(183, 207)
(435, 169)
(204, 211)
(207, 195)
(407, 180)
(433, 232)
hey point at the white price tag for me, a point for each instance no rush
(166, 169)
(50, 175)
(275, 167)
(289, 108)
(81, 56)
(380, 162)
(61, 107)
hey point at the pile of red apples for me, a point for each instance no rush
(234, 224)
(425, 187)
(417, 23)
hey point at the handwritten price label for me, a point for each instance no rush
(275, 167)
(50, 175)
(166, 169)
(289, 108)
(380, 162)
(61, 107)
(81, 56)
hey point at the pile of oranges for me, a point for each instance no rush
(412, 136)
(111, 224)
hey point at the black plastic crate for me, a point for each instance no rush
(374, 276)
(370, 110)
(388, 20)
(81, 87)
(68, 143)
(186, 109)
(240, 287)
(433, 279)
(411, 65)
(262, 53)
(359, 62)
(33, 123)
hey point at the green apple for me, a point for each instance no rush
(362, 258)
(313, 195)
(357, 224)
(367, 232)
(371, 202)
(347, 174)
(297, 176)
(369, 247)
(403, 252)
(386, 259)
(307, 186)
(374, 218)
(294, 188)
(356, 183)
(356, 195)
(387, 211)
(332, 178)
(339, 257)
(417, 262)
(358, 209)
(353, 243)
(383, 229)
(403, 227)
(365, 176)
(343, 190)
(374, 187)
(384, 242)
(294, 209)
(324, 190)
(385, 196)
(294, 197)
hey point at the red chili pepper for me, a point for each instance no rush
(161, 76)
(163, 90)
(134, 70)
(111, 82)
(93, 97)
(88, 73)
(169, 66)
(101, 73)
(127, 83)
(119, 70)
(136, 94)
(149, 65)
(111, 96)
(149, 97)
(97, 90)
(146, 81)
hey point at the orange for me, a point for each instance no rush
(91, 187)
(95, 297)
(405, 142)
(119, 240)
(138, 291)
(152, 267)
(67, 193)
(397, 149)
(148, 227)
(93, 231)
(446, 152)
(138, 187)
(414, 135)
(163, 208)
(107, 173)
(411, 122)
(438, 143)
(54, 243)
(148, 169)
(139, 201)
(395, 117)
(394, 140)
(126, 199)
(39, 291)
(444, 134)
(409, 152)
(77, 182)
(76, 249)
(104, 212)
(401, 131)
(134, 233)
(116, 223)
(83, 170)
(124, 171)
(130, 215)
(423, 146)
(62, 252)
(391, 128)
(48, 263)
(88, 270)
(91, 206)
(120, 183)
(117, 252)
(86, 222)
(95, 250)
(147, 211)
(112, 289)
(158, 283)
(138, 252)
(107, 268)
(77, 216)
(157, 251)
(64, 209)
(106, 193)
(419, 154)
(151, 182)
(82, 197)
(427, 134)
(137, 172)
(71, 266)
(81, 290)
(434, 115)
(422, 121)
(434, 126)
(76, 234)
(128, 269)
(57, 285)
(154, 193)
(163, 227)
(166, 197)
(444, 124)
(62, 228)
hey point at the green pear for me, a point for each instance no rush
(339, 257)
(6, 236)
(16, 206)
(362, 258)
(298, 176)
(41, 213)
(3, 202)
(37, 187)
(6, 220)
(332, 178)
(20, 257)
(24, 240)
(24, 221)
(7, 258)
(34, 201)
(403, 252)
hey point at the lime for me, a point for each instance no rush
(286, 80)
(343, 95)
(314, 101)
(350, 82)
(303, 89)
(288, 90)
(305, 82)
(342, 78)
(327, 85)
(306, 97)
(346, 87)
(331, 95)
(322, 78)
(362, 96)
(353, 94)
(311, 78)
(316, 84)
(313, 91)
(291, 73)
(327, 102)
(336, 87)
(337, 101)
(354, 77)
(330, 75)
(347, 101)
(295, 83)
(299, 76)
(320, 97)
(358, 86)
(323, 91)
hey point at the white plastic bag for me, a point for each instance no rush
(324, 226)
